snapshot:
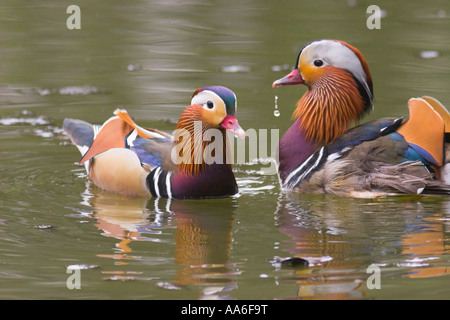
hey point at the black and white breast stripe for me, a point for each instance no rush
(158, 181)
(313, 163)
(303, 171)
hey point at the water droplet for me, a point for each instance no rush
(276, 112)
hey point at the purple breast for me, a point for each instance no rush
(294, 149)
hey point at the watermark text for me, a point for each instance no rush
(74, 280)
(74, 20)
(374, 280)
(374, 18)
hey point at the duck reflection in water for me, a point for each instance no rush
(315, 227)
(202, 237)
(425, 246)
(342, 237)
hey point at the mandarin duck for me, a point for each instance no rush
(194, 162)
(320, 153)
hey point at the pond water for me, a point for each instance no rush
(148, 57)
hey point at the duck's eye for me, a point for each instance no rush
(318, 63)
(210, 104)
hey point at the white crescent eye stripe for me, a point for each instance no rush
(204, 96)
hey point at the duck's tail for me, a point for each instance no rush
(82, 135)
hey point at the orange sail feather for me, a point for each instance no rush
(111, 135)
(425, 128)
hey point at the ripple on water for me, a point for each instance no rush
(42, 126)
(71, 90)
(26, 117)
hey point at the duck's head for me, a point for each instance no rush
(216, 107)
(211, 107)
(339, 88)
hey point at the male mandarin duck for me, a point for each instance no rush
(122, 157)
(319, 153)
